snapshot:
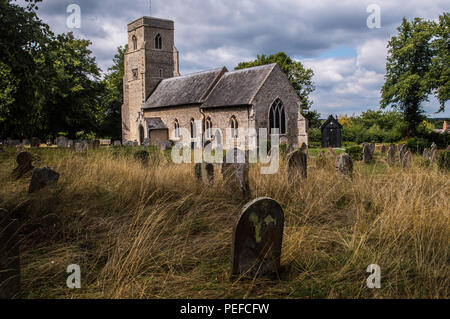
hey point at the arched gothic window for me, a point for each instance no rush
(176, 129)
(158, 41)
(234, 127)
(208, 128)
(277, 117)
(134, 42)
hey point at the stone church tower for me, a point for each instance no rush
(150, 58)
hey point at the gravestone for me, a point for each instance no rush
(95, 144)
(367, 154)
(235, 173)
(344, 164)
(406, 159)
(41, 178)
(70, 144)
(12, 143)
(391, 155)
(117, 143)
(331, 152)
(81, 147)
(105, 142)
(9, 256)
(304, 148)
(62, 141)
(297, 165)
(426, 155)
(35, 142)
(433, 156)
(24, 164)
(26, 142)
(372, 148)
(204, 172)
(257, 240)
(401, 154)
(142, 157)
(383, 149)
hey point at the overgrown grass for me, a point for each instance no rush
(155, 232)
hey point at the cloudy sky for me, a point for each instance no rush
(331, 37)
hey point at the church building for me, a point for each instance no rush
(158, 101)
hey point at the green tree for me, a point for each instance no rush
(23, 36)
(113, 97)
(417, 66)
(72, 95)
(298, 75)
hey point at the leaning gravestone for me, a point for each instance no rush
(62, 142)
(367, 154)
(391, 155)
(204, 172)
(24, 161)
(41, 178)
(235, 172)
(9, 256)
(344, 164)
(297, 165)
(257, 240)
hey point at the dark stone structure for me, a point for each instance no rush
(331, 133)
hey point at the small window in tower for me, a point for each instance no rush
(134, 42)
(135, 74)
(158, 42)
(160, 73)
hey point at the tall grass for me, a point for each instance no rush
(156, 232)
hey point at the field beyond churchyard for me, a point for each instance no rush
(155, 232)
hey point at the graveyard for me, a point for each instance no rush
(144, 227)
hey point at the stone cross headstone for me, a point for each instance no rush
(235, 172)
(204, 172)
(41, 178)
(257, 240)
(344, 164)
(391, 155)
(81, 147)
(367, 154)
(24, 161)
(62, 141)
(9, 256)
(297, 165)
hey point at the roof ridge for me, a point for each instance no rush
(195, 73)
(271, 65)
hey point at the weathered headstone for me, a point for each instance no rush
(95, 144)
(367, 154)
(81, 147)
(344, 164)
(62, 141)
(142, 157)
(391, 155)
(406, 160)
(70, 144)
(41, 178)
(9, 256)
(26, 142)
(204, 172)
(105, 142)
(372, 148)
(426, 155)
(117, 143)
(24, 161)
(35, 142)
(383, 149)
(257, 240)
(297, 165)
(235, 172)
(401, 154)
(433, 156)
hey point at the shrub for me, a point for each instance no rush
(314, 135)
(284, 149)
(417, 144)
(444, 160)
(355, 152)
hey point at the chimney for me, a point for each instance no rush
(445, 128)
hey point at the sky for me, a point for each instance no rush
(330, 37)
